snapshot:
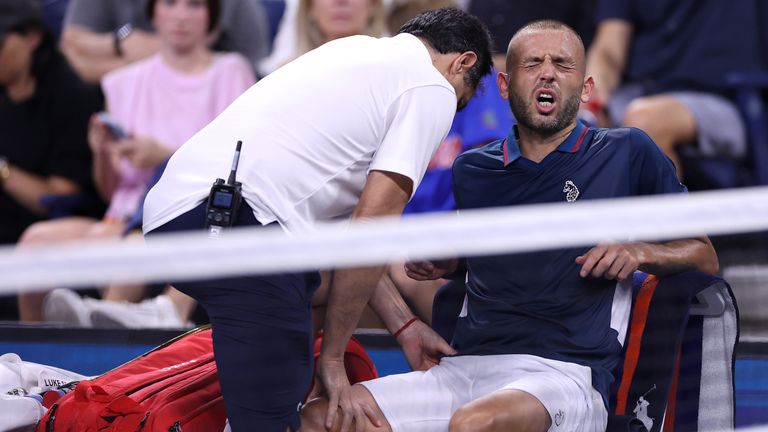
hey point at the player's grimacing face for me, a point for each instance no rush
(545, 79)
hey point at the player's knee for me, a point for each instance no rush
(313, 415)
(471, 420)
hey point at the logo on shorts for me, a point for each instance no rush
(571, 191)
(559, 417)
(641, 410)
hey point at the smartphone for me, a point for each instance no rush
(112, 125)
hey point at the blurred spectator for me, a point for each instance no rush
(307, 24)
(284, 43)
(400, 11)
(160, 102)
(316, 24)
(102, 35)
(44, 110)
(660, 65)
(53, 15)
(505, 17)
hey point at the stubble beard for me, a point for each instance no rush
(548, 125)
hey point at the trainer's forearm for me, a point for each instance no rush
(384, 194)
(350, 291)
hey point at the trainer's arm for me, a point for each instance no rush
(384, 194)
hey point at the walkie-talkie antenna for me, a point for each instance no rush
(233, 173)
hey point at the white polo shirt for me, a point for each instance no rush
(312, 131)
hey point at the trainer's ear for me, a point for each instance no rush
(463, 62)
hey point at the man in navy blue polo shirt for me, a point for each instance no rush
(539, 332)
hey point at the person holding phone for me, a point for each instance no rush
(159, 103)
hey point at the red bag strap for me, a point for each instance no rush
(86, 391)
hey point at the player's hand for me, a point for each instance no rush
(334, 380)
(422, 346)
(610, 261)
(430, 270)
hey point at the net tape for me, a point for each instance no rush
(191, 256)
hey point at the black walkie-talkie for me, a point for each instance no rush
(224, 199)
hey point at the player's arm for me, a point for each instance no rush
(422, 346)
(618, 261)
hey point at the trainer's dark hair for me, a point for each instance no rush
(451, 30)
(214, 11)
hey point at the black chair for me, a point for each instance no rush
(750, 91)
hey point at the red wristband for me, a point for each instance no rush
(405, 326)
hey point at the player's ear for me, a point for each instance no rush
(502, 80)
(587, 89)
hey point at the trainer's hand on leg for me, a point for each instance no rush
(334, 379)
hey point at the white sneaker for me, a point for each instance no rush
(158, 312)
(66, 306)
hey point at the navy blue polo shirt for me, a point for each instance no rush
(536, 303)
(688, 44)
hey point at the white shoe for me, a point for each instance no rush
(66, 306)
(158, 312)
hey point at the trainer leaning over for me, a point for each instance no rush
(346, 130)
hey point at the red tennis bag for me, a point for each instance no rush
(172, 387)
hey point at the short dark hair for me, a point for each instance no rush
(547, 24)
(214, 11)
(452, 30)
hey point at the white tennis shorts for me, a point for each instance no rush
(425, 401)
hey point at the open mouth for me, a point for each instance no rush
(545, 100)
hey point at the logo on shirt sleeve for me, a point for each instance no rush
(571, 191)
